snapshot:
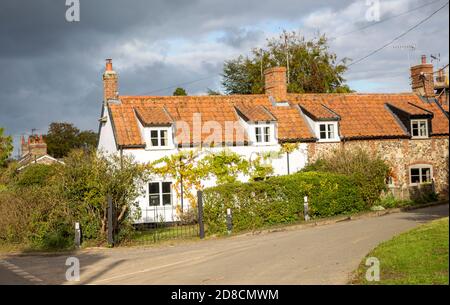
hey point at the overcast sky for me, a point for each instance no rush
(50, 69)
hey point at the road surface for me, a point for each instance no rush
(316, 255)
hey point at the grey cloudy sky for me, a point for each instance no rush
(50, 70)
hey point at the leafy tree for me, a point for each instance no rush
(6, 147)
(63, 137)
(179, 92)
(368, 170)
(87, 179)
(182, 167)
(213, 92)
(312, 67)
(225, 166)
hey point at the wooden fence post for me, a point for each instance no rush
(110, 221)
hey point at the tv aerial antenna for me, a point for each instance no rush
(411, 48)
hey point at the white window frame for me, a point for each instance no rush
(334, 137)
(267, 138)
(159, 130)
(160, 193)
(419, 130)
(420, 167)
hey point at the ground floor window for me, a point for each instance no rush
(420, 174)
(160, 193)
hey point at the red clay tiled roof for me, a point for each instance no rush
(153, 116)
(318, 111)
(258, 113)
(410, 108)
(361, 115)
(366, 115)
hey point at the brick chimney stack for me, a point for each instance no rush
(34, 146)
(422, 78)
(110, 83)
(275, 83)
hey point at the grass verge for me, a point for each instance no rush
(417, 257)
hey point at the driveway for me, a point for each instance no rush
(316, 255)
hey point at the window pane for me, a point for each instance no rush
(267, 134)
(154, 200)
(423, 129)
(331, 131)
(167, 199)
(153, 188)
(163, 137)
(258, 134)
(426, 175)
(415, 175)
(323, 134)
(154, 134)
(415, 129)
(166, 187)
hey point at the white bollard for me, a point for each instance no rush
(306, 208)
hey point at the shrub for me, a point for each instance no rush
(279, 200)
(35, 175)
(368, 171)
(389, 201)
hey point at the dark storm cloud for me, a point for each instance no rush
(50, 70)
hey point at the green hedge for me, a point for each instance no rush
(279, 200)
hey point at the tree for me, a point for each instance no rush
(213, 92)
(6, 147)
(182, 167)
(312, 67)
(179, 92)
(63, 137)
(225, 166)
(86, 180)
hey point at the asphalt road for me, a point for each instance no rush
(317, 255)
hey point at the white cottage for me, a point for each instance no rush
(409, 131)
(151, 127)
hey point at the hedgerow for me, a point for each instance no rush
(280, 200)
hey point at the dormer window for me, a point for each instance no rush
(262, 134)
(326, 131)
(419, 128)
(159, 138)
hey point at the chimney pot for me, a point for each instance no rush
(110, 82)
(109, 66)
(424, 59)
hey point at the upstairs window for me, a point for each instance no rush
(419, 128)
(262, 134)
(159, 138)
(420, 174)
(327, 132)
(160, 193)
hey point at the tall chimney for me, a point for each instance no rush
(34, 146)
(110, 82)
(422, 78)
(275, 83)
(24, 149)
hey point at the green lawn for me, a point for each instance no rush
(419, 256)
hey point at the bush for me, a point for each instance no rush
(35, 175)
(280, 200)
(38, 206)
(368, 171)
(389, 202)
